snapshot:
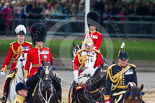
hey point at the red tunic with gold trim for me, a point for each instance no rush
(84, 60)
(14, 51)
(35, 56)
(97, 39)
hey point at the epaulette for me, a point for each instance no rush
(98, 32)
(28, 42)
(13, 42)
(132, 65)
(109, 70)
(80, 51)
(96, 50)
(110, 67)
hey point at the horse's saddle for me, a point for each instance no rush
(12, 74)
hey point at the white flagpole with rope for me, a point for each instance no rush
(87, 10)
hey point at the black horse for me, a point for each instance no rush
(45, 91)
(92, 90)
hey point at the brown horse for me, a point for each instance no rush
(134, 95)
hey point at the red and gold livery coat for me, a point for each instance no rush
(35, 56)
(14, 51)
(84, 60)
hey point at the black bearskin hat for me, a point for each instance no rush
(93, 18)
(38, 32)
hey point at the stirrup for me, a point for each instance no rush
(3, 99)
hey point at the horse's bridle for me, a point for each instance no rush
(47, 100)
(98, 90)
(77, 48)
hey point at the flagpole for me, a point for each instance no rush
(87, 9)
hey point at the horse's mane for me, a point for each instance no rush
(135, 92)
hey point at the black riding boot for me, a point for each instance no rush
(6, 90)
(74, 95)
(56, 82)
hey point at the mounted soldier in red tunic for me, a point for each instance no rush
(35, 57)
(15, 50)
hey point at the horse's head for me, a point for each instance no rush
(100, 74)
(46, 75)
(75, 49)
(98, 78)
(134, 94)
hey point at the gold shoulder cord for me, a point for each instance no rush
(82, 60)
(16, 51)
(117, 77)
(98, 51)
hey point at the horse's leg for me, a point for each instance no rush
(6, 89)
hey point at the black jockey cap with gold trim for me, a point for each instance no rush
(123, 55)
(94, 19)
(38, 32)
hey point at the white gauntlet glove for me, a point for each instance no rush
(76, 73)
(25, 79)
(3, 74)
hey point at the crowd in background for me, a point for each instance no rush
(33, 8)
(37, 9)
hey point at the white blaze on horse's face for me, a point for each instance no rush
(46, 72)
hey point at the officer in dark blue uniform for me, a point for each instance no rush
(117, 79)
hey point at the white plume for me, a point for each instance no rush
(20, 28)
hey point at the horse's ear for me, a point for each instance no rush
(80, 46)
(101, 64)
(141, 88)
(51, 61)
(43, 62)
(97, 71)
(23, 55)
(129, 87)
(105, 67)
(74, 44)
